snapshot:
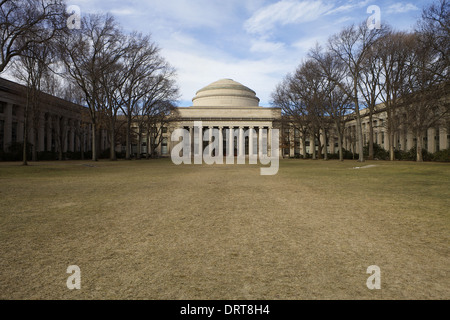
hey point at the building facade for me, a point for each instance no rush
(54, 121)
(227, 107)
(232, 110)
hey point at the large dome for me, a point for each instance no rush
(226, 93)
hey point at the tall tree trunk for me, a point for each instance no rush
(94, 143)
(371, 155)
(147, 154)
(139, 148)
(325, 154)
(419, 146)
(128, 138)
(319, 148)
(304, 145)
(35, 142)
(313, 146)
(112, 138)
(341, 154)
(359, 133)
(391, 147)
(359, 137)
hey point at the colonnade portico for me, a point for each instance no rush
(233, 140)
(231, 113)
(55, 119)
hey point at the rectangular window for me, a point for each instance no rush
(164, 149)
(164, 130)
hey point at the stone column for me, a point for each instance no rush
(198, 146)
(269, 142)
(251, 147)
(332, 142)
(49, 126)
(230, 146)
(72, 136)
(291, 142)
(443, 138)
(8, 126)
(431, 137)
(312, 146)
(65, 134)
(241, 142)
(409, 141)
(169, 140)
(20, 119)
(403, 141)
(380, 139)
(221, 142)
(386, 140)
(210, 139)
(260, 142)
(88, 138)
(191, 141)
(41, 133)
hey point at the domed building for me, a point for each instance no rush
(226, 93)
(230, 107)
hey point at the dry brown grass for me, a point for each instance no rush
(151, 230)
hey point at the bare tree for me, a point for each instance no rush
(110, 98)
(394, 50)
(141, 62)
(434, 28)
(27, 23)
(88, 54)
(293, 108)
(425, 93)
(369, 88)
(158, 119)
(157, 105)
(31, 68)
(351, 47)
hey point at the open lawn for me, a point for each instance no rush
(152, 230)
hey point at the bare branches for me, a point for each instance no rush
(24, 23)
(88, 56)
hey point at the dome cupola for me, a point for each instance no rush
(226, 93)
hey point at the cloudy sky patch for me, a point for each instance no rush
(255, 42)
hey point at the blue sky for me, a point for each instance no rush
(255, 42)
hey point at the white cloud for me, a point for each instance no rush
(266, 46)
(348, 7)
(285, 12)
(198, 70)
(400, 7)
